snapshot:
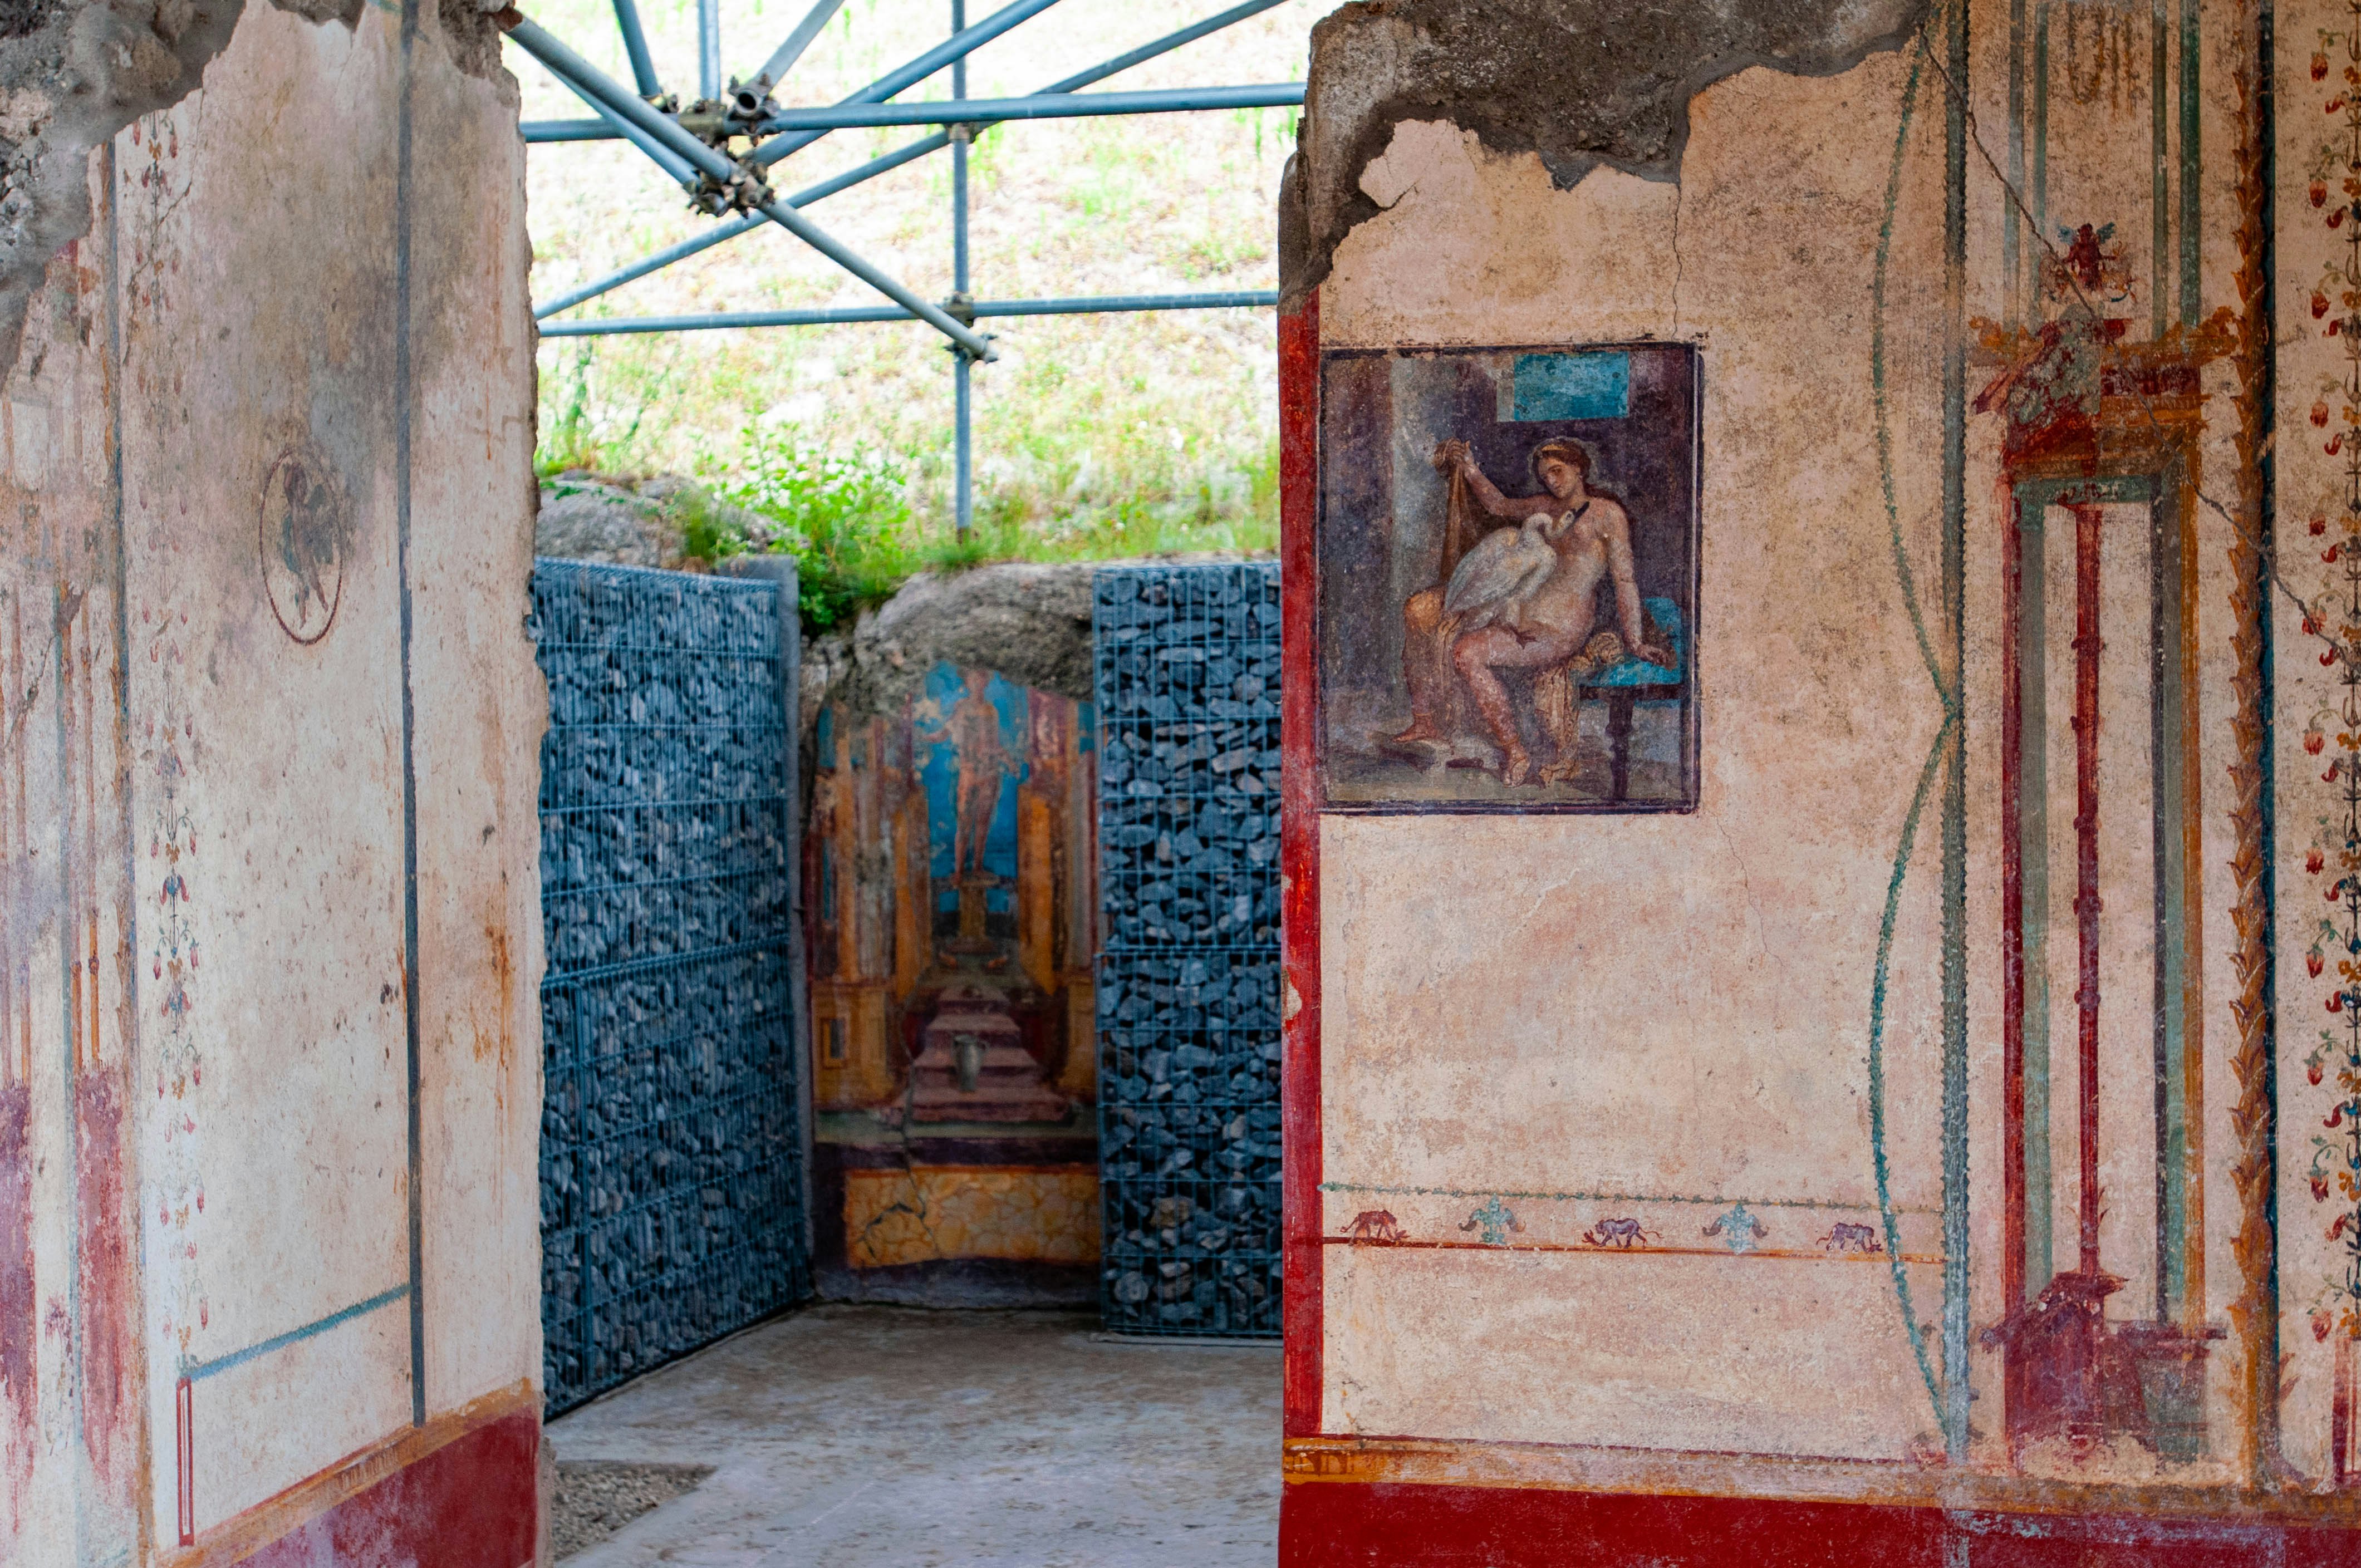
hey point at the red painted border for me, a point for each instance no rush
(1299, 860)
(2086, 873)
(1334, 1524)
(2012, 939)
(473, 1503)
(184, 1458)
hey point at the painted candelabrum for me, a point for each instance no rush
(2105, 430)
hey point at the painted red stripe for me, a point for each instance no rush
(473, 1503)
(18, 1323)
(2012, 946)
(1299, 855)
(2086, 863)
(1360, 1525)
(185, 1457)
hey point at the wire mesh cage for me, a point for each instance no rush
(1186, 689)
(671, 1186)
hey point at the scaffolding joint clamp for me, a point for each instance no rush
(746, 191)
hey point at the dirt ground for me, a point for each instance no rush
(861, 1435)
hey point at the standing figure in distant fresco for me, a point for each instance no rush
(1523, 597)
(973, 728)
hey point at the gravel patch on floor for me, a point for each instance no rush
(597, 1498)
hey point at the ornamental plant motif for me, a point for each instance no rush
(2334, 859)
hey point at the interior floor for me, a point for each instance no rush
(853, 1435)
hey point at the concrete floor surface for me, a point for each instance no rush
(858, 1435)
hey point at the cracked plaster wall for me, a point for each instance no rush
(1577, 82)
(1657, 1017)
(265, 492)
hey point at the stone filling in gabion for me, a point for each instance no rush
(1188, 1001)
(671, 1192)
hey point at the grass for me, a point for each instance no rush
(1095, 435)
(845, 515)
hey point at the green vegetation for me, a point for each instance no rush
(846, 517)
(1114, 435)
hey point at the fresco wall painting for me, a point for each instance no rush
(1508, 589)
(952, 862)
(1939, 1056)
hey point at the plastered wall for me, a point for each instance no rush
(269, 1218)
(1726, 1144)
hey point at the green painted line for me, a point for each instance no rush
(1880, 1164)
(2191, 190)
(196, 1371)
(1884, 419)
(1956, 1282)
(2011, 261)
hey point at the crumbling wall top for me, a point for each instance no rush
(1580, 82)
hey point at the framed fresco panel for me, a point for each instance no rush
(1509, 579)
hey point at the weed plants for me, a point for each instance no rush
(1095, 435)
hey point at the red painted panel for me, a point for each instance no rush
(18, 1327)
(470, 1504)
(111, 1357)
(1334, 1524)
(1299, 860)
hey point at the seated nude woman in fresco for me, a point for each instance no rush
(1523, 599)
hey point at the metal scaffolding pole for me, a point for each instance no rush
(675, 168)
(635, 44)
(960, 110)
(708, 51)
(900, 156)
(572, 68)
(710, 320)
(701, 161)
(783, 58)
(958, 47)
(962, 370)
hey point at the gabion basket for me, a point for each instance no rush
(671, 1146)
(1187, 687)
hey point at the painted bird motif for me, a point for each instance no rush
(1494, 579)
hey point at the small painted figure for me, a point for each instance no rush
(1496, 1219)
(1375, 1225)
(985, 761)
(1846, 1235)
(1523, 597)
(1738, 1230)
(1624, 1233)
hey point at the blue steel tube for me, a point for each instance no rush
(962, 373)
(675, 168)
(580, 130)
(635, 44)
(986, 111)
(1239, 298)
(899, 156)
(736, 226)
(957, 47)
(791, 50)
(1039, 106)
(708, 51)
(578, 73)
